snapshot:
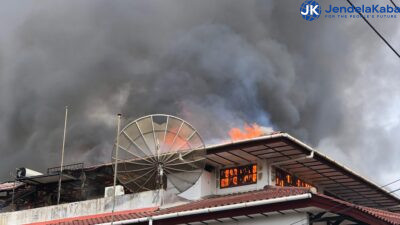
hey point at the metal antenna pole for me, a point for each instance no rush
(116, 165)
(13, 191)
(62, 156)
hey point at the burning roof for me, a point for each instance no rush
(249, 131)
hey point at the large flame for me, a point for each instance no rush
(250, 131)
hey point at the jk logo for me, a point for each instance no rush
(310, 10)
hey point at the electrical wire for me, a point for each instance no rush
(393, 3)
(373, 28)
(394, 190)
(398, 55)
(395, 181)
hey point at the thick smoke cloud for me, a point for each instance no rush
(217, 64)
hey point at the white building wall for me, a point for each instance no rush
(83, 208)
(276, 219)
(205, 186)
(208, 183)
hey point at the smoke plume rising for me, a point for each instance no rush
(217, 64)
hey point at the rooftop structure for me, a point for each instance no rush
(274, 179)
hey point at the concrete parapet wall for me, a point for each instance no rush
(83, 208)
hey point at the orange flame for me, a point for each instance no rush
(250, 131)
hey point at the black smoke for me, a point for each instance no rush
(217, 64)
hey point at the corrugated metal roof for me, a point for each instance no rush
(7, 186)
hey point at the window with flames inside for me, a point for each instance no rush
(238, 176)
(285, 179)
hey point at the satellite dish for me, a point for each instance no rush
(158, 149)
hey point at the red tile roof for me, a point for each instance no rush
(390, 217)
(317, 200)
(266, 193)
(101, 218)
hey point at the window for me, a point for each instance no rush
(285, 179)
(238, 176)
